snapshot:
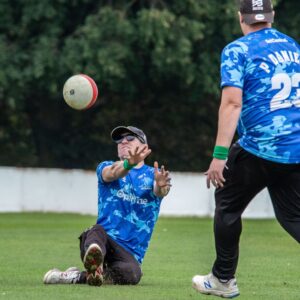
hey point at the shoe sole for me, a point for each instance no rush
(216, 293)
(93, 261)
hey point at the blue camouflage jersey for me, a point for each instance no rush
(265, 65)
(128, 208)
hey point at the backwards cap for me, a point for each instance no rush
(256, 11)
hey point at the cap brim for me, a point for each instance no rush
(117, 133)
(258, 18)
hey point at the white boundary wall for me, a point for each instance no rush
(30, 189)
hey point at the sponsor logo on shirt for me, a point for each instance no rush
(131, 197)
(271, 41)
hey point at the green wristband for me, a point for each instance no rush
(221, 152)
(127, 166)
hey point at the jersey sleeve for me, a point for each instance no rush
(100, 168)
(232, 66)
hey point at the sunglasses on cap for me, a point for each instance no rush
(128, 138)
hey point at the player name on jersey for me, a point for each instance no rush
(284, 56)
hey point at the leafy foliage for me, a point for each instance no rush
(156, 64)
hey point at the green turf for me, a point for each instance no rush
(181, 247)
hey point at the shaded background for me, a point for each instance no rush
(156, 64)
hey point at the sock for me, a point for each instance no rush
(82, 278)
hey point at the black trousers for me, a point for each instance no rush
(245, 177)
(120, 267)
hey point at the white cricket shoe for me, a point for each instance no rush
(56, 276)
(211, 285)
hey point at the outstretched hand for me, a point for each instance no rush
(162, 177)
(214, 174)
(138, 154)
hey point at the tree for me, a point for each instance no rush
(156, 64)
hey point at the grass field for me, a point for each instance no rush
(32, 243)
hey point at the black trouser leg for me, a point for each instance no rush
(227, 247)
(120, 267)
(285, 195)
(244, 179)
(95, 234)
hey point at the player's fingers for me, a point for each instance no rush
(208, 178)
(208, 183)
(136, 150)
(166, 174)
(145, 154)
(165, 185)
(142, 149)
(215, 183)
(168, 180)
(221, 178)
(214, 178)
(220, 184)
(221, 181)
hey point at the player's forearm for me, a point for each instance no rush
(114, 172)
(229, 114)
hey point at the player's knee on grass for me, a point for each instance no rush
(126, 274)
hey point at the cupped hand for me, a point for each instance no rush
(138, 154)
(162, 177)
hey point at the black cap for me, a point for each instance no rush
(119, 131)
(256, 11)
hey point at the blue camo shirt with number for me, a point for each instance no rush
(265, 65)
(128, 208)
